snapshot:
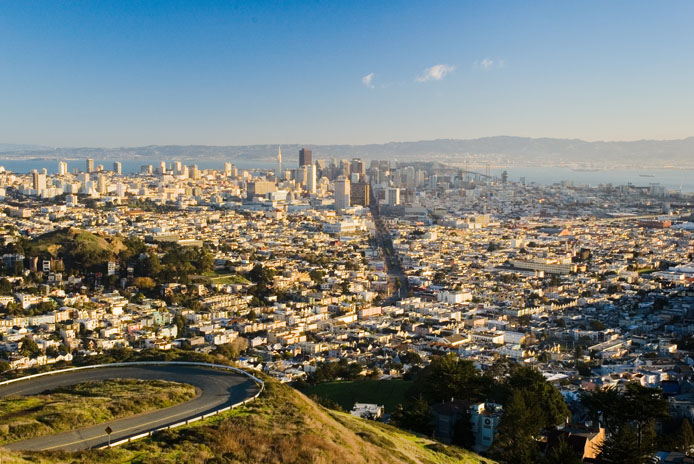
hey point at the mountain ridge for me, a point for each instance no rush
(501, 148)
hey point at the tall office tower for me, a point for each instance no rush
(162, 168)
(90, 165)
(227, 168)
(117, 168)
(39, 181)
(342, 193)
(146, 169)
(193, 171)
(311, 181)
(305, 157)
(375, 175)
(101, 184)
(62, 168)
(393, 196)
(358, 167)
(360, 194)
(345, 168)
(280, 173)
(178, 167)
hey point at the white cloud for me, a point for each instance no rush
(435, 73)
(366, 80)
(487, 64)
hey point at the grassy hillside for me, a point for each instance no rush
(283, 426)
(87, 403)
(389, 393)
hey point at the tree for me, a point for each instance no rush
(416, 417)
(596, 325)
(618, 448)
(642, 406)
(4, 366)
(562, 453)
(29, 347)
(462, 432)
(5, 287)
(317, 275)
(539, 395)
(684, 437)
(448, 377)
(144, 283)
(515, 442)
(627, 416)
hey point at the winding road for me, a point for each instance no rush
(218, 388)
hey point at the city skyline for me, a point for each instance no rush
(209, 73)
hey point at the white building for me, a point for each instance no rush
(342, 193)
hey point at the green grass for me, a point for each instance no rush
(88, 403)
(223, 277)
(388, 393)
(281, 427)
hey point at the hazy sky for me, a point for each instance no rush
(124, 73)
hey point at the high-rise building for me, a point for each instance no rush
(90, 165)
(178, 167)
(305, 157)
(39, 181)
(393, 196)
(311, 181)
(162, 168)
(193, 171)
(342, 193)
(227, 168)
(358, 167)
(280, 173)
(117, 168)
(62, 168)
(101, 184)
(360, 194)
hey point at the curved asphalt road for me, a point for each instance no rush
(219, 389)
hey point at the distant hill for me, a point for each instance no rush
(501, 148)
(283, 426)
(13, 147)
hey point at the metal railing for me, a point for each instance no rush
(258, 382)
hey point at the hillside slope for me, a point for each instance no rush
(283, 426)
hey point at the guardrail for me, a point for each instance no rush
(258, 382)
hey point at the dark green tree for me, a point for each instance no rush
(515, 441)
(415, 417)
(562, 453)
(620, 448)
(29, 347)
(448, 377)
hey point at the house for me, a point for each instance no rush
(367, 410)
(484, 422)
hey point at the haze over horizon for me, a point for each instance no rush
(131, 74)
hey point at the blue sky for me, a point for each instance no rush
(125, 73)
